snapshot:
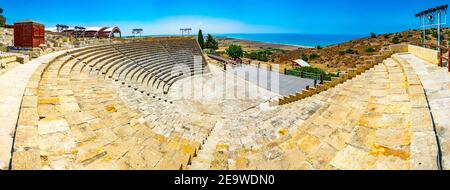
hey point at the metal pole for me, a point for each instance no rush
(424, 32)
(439, 32)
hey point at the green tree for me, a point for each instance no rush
(305, 57)
(2, 19)
(235, 51)
(200, 39)
(211, 43)
(313, 56)
(395, 40)
(373, 35)
(435, 35)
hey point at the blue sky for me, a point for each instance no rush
(226, 16)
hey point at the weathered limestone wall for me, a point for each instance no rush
(4, 59)
(429, 55)
(397, 48)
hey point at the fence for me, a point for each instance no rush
(309, 75)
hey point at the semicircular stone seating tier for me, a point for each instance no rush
(377, 120)
(165, 63)
(77, 121)
(99, 108)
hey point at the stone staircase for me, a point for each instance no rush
(432, 84)
(15, 98)
(376, 120)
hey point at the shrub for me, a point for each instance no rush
(305, 57)
(257, 55)
(314, 73)
(369, 50)
(319, 47)
(277, 50)
(386, 35)
(348, 51)
(395, 40)
(235, 51)
(313, 56)
(263, 54)
(373, 35)
(351, 51)
(435, 35)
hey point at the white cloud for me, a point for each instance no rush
(172, 25)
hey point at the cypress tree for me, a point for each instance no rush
(2, 18)
(211, 43)
(200, 39)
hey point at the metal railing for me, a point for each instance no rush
(442, 57)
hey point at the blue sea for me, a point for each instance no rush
(303, 40)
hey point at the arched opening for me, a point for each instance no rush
(115, 31)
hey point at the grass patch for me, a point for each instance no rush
(312, 73)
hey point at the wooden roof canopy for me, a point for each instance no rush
(432, 10)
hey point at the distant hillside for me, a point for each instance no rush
(340, 57)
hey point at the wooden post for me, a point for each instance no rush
(225, 66)
(321, 79)
(448, 61)
(301, 74)
(315, 82)
(270, 67)
(307, 87)
(440, 58)
(285, 70)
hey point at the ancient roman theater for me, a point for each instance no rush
(124, 105)
(163, 103)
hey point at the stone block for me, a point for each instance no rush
(26, 160)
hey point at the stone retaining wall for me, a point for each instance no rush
(429, 55)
